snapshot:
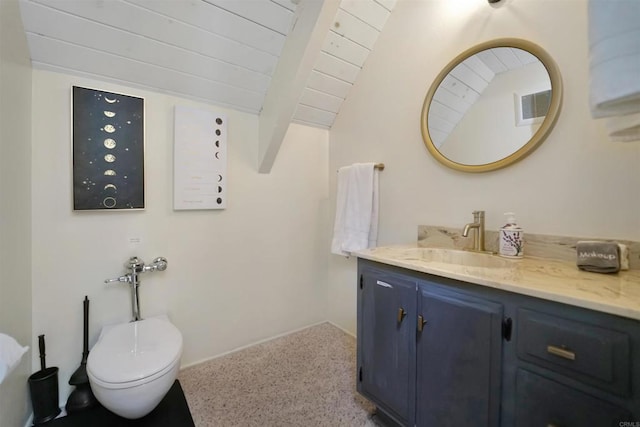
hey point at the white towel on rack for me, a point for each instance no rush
(10, 354)
(375, 200)
(624, 128)
(356, 221)
(614, 57)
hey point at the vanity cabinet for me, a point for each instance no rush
(428, 356)
(434, 351)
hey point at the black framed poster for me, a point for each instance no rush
(108, 150)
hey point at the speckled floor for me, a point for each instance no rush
(303, 379)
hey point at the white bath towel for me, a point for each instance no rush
(10, 354)
(614, 57)
(356, 221)
(624, 128)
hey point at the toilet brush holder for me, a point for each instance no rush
(43, 388)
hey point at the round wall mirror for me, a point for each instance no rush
(492, 105)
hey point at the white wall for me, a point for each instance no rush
(236, 276)
(15, 206)
(577, 183)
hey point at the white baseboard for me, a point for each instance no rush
(341, 328)
(252, 344)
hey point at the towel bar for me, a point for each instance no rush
(379, 166)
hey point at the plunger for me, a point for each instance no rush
(82, 397)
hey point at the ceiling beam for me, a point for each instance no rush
(312, 21)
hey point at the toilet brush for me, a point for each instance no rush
(82, 397)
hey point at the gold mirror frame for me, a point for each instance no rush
(538, 136)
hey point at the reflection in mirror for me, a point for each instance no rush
(490, 88)
(489, 107)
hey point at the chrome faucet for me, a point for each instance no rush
(478, 231)
(136, 266)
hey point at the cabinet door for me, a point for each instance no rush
(542, 402)
(459, 354)
(386, 342)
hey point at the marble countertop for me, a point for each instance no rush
(549, 279)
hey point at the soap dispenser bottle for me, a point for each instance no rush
(511, 238)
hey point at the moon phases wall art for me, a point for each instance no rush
(200, 159)
(108, 150)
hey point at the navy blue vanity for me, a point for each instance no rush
(435, 351)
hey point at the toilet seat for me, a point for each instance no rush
(134, 353)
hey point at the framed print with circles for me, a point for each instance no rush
(108, 150)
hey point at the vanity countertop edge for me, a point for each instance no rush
(549, 279)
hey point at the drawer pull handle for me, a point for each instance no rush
(401, 314)
(561, 352)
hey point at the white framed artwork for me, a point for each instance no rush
(199, 159)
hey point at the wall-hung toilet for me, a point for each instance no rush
(133, 365)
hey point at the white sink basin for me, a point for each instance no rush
(455, 257)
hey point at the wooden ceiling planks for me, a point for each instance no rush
(223, 52)
(349, 42)
(203, 50)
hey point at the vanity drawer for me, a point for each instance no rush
(590, 354)
(542, 402)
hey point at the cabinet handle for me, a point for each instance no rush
(507, 326)
(561, 352)
(401, 314)
(421, 323)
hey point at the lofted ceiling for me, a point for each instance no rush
(223, 52)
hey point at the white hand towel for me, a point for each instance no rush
(614, 56)
(624, 128)
(356, 221)
(10, 354)
(375, 205)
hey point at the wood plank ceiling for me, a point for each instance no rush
(223, 52)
